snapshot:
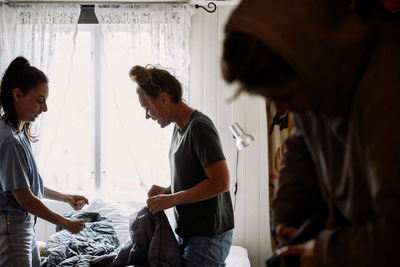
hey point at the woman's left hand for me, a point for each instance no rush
(306, 252)
(160, 202)
(77, 202)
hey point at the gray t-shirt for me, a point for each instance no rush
(18, 169)
(194, 148)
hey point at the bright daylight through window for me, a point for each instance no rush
(95, 132)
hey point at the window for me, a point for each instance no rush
(95, 135)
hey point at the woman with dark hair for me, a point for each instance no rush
(23, 95)
(199, 190)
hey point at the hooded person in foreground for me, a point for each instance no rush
(340, 76)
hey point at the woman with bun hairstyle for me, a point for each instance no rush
(23, 95)
(199, 191)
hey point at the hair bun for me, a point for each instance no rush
(140, 75)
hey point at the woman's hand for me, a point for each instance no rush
(77, 202)
(160, 202)
(306, 252)
(74, 226)
(157, 190)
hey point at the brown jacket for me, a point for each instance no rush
(345, 155)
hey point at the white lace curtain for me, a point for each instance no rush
(156, 34)
(35, 32)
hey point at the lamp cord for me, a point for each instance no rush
(235, 187)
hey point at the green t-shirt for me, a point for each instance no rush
(194, 148)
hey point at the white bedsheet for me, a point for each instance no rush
(237, 257)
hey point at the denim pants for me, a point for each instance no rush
(18, 246)
(199, 251)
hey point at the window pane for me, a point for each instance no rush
(65, 159)
(135, 150)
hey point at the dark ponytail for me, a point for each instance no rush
(19, 74)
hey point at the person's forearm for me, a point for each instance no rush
(36, 207)
(54, 195)
(204, 190)
(217, 182)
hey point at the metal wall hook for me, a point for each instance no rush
(212, 7)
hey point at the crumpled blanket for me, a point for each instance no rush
(152, 243)
(97, 238)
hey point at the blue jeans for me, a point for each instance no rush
(199, 251)
(18, 246)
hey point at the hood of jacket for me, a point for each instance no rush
(324, 41)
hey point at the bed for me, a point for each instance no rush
(119, 214)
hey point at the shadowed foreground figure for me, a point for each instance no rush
(340, 76)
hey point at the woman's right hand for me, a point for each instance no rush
(157, 190)
(75, 226)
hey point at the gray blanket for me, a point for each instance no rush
(97, 238)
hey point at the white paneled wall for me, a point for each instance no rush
(209, 93)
